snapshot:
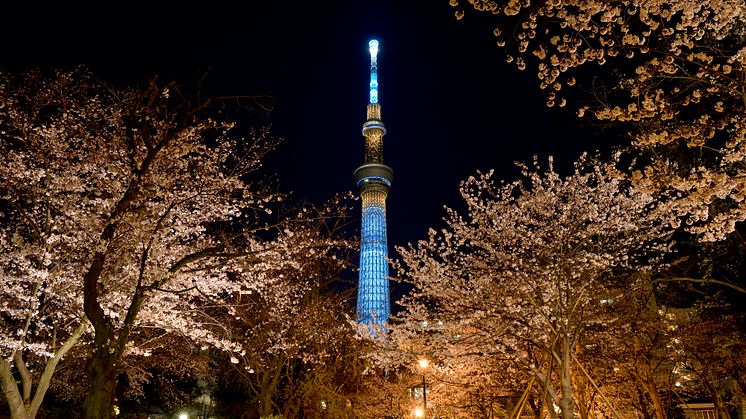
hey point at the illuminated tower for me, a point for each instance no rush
(373, 179)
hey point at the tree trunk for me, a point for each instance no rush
(24, 406)
(11, 392)
(549, 396)
(102, 371)
(655, 398)
(566, 402)
(108, 347)
(266, 404)
(268, 385)
(583, 401)
(722, 410)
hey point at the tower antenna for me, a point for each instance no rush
(373, 48)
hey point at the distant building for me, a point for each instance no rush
(707, 410)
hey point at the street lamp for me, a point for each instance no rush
(423, 362)
(419, 412)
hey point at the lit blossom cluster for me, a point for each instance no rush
(289, 316)
(671, 71)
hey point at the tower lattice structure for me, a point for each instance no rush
(373, 180)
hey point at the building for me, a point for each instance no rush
(373, 180)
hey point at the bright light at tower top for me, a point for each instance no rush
(373, 47)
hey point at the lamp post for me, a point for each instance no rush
(423, 365)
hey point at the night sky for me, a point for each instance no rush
(449, 101)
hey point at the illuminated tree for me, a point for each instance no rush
(301, 361)
(135, 207)
(631, 357)
(383, 396)
(521, 275)
(40, 245)
(710, 361)
(672, 72)
(167, 375)
(293, 338)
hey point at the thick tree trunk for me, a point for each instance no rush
(108, 347)
(102, 366)
(268, 386)
(267, 392)
(102, 371)
(265, 404)
(566, 400)
(650, 387)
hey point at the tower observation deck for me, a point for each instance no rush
(373, 180)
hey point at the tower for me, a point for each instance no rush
(373, 180)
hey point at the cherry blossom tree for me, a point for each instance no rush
(463, 377)
(168, 373)
(522, 274)
(632, 357)
(671, 72)
(135, 207)
(385, 396)
(42, 292)
(711, 358)
(290, 337)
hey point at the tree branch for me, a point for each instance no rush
(46, 376)
(10, 390)
(726, 284)
(26, 379)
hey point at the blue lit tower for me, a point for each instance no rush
(373, 179)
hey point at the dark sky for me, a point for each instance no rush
(450, 103)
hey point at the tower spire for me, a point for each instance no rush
(373, 48)
(373, 180)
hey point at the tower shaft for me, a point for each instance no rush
(373, 179)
